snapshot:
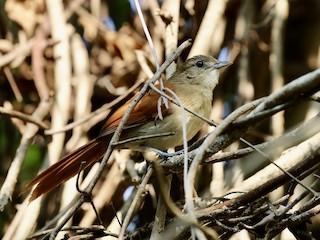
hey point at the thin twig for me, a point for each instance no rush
(100, 111)
(22, 116)
(38, 61)
(31, 129)
(88, 197)
(134, 139)
(283, 170)
(153, 87)
(143, 63)
(153, 50)
(171, 42)
(186, 220)
(21, 49)
(186, 185)
(172, 7)
(290, 161)
(272, 148)
(304, 85)
(13, 84)
(205, 146)
(111, 182)
(298, 199)
(161, 212)
(147, 33)
(130, 212)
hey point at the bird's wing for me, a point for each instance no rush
(145, 111)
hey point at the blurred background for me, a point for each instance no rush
(62, 60)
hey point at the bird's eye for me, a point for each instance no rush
(199, 64)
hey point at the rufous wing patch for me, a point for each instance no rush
(145, 111)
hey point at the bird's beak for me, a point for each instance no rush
(221, 64)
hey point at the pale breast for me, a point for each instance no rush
(173, 122)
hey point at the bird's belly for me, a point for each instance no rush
(156, 129)
(171, 124)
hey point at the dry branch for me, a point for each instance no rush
(108, 38)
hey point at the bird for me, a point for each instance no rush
(193, 82)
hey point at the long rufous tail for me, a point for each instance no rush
(67, 167)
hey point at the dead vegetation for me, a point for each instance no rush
(66, 65)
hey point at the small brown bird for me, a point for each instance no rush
(193, 82)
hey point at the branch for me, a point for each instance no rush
(12, 175)
(24, 117)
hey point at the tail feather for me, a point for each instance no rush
(67, 167)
